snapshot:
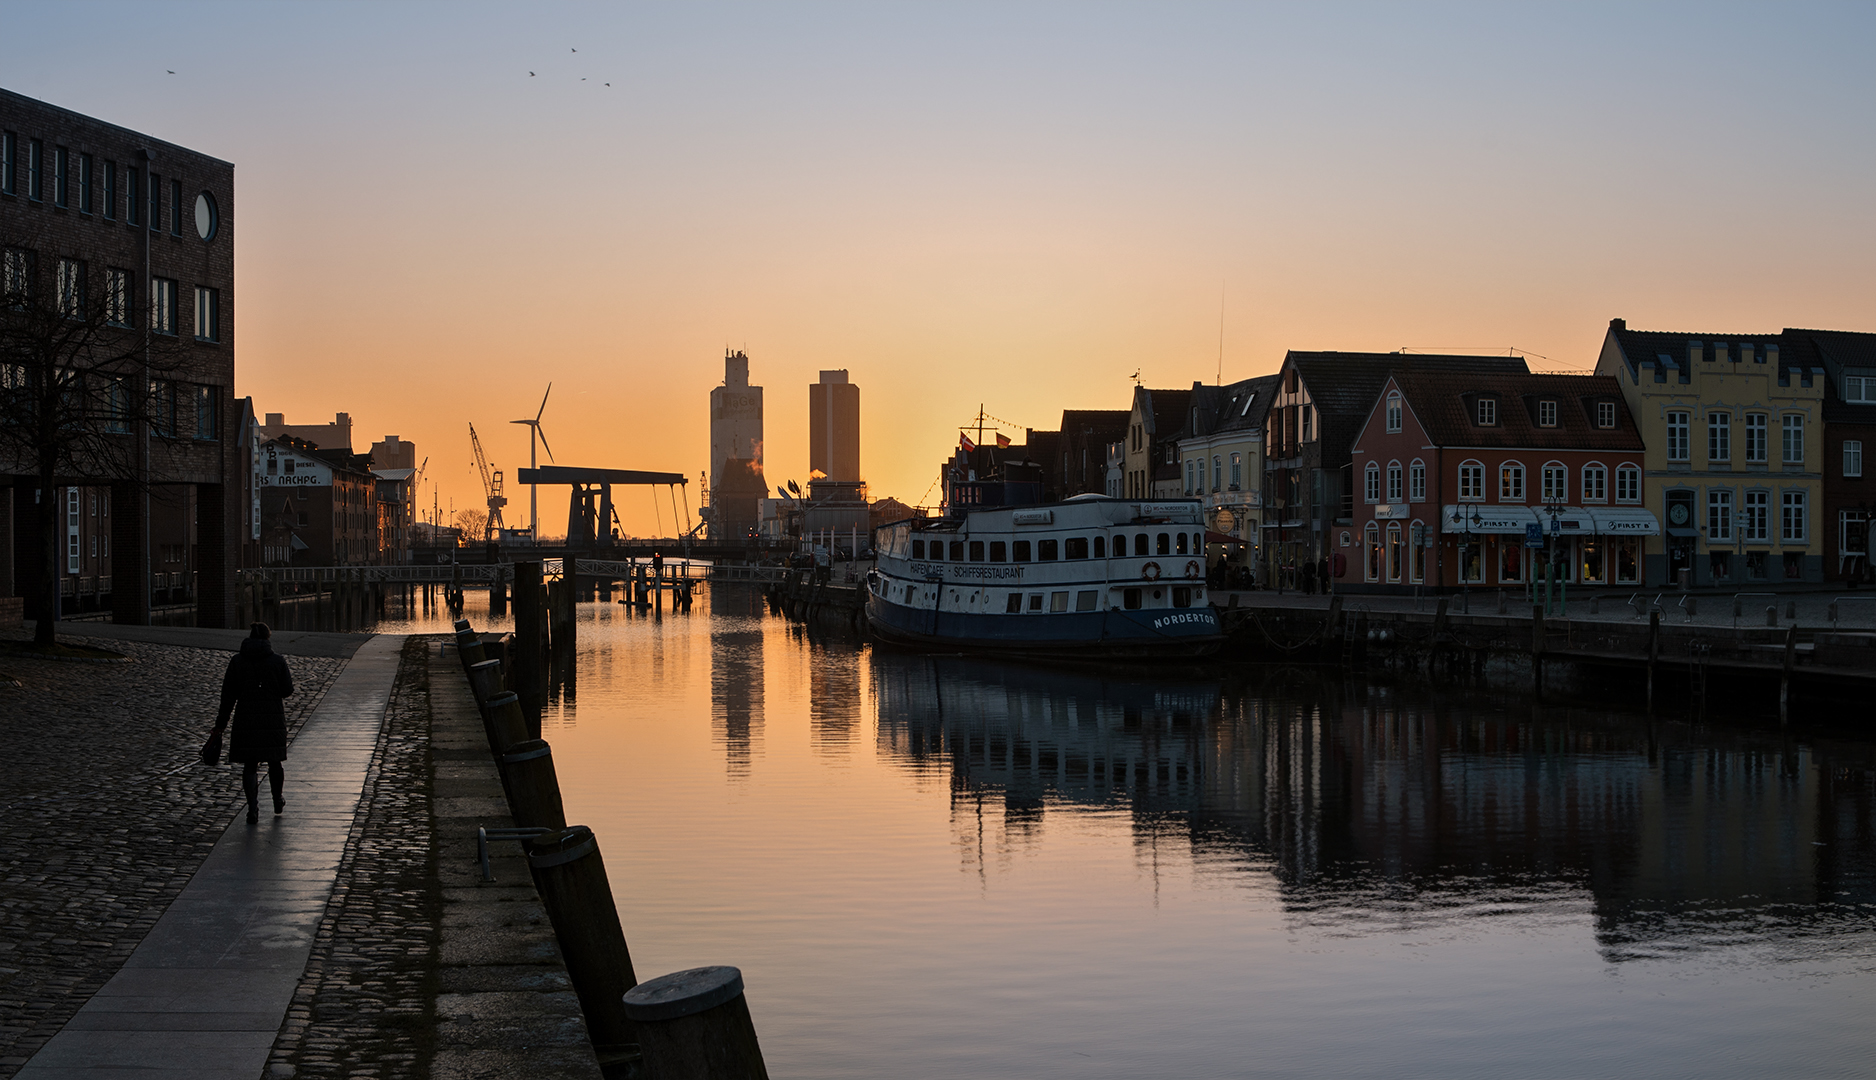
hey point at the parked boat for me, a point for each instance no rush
(1087, 578)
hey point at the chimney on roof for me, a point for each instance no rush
(1618, 324)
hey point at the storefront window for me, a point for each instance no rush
(1628, 561)
(1720, 564)
(1417, 552)
(1590, 565)
(1510, 560)
(1372, 541)
(1471, 560)
(1393, 552)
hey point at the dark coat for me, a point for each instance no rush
(256, 682)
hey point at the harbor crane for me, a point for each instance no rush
(491, 487)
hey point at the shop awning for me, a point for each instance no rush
(1625, 521)
(1491, 519)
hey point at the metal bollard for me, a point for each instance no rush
(533, 788)
(505, 724)
(1502, 608)
(571, 879)
(696, 1024)
(1693, 607)
(1595, 604)
(1738, 607)
(462, 626)
(1771, 614)
(1791, 610)
(1832, 612)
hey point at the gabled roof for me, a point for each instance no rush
(1838, 349)
(1446, 405)
(1165, 409)
(1095, 421)
(1238, 406)
(1343, 386)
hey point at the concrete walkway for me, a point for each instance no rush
(204, 995)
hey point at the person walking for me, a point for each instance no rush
(257, 682)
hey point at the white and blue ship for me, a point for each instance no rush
(1088, 578)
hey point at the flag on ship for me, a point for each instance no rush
(1003, 440)
(965, 441)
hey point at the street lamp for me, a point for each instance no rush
(1459, 518)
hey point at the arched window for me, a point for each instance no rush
(1218, 472)
(1511, 482)
(1393, 411)
(1556, 483)
(1417, 481)
(1627, 483)
(1595, 483)
(1417, 552)
(1371, 557)
(1395, 549)
(1472, 481)
(1371, 482)
(1395, 490)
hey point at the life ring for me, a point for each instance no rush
(1192, 568)
(1150, 571)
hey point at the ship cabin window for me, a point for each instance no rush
(957, 551)
(908, 594)
(1198, 543)
(1015, 604)
(1182, 543)
(1075, 547)
(1019, 551)
(1086, 599)
(1100, 547)
(1035, 601)
(1130, 599)
(997, 551)
(1046, 551)
(918, 549)
(1182, 596)
(1120, 545)
(1165, 544)
(1139, 544)
(977, 551)
(1058, 603)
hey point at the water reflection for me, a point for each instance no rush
(1378, 810)
(736, 682)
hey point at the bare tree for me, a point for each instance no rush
(472, 522)
(82, 375)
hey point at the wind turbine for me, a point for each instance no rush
(534, 430)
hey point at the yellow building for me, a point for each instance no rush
(1734, 430)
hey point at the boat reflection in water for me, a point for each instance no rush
(1377, 808)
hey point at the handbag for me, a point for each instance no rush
(211, 750)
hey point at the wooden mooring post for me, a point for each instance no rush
(533, 788)
(1784, 676)
(1654, 653)
(571, 878)
(530, 632)
(696, 1024)
(1537, 650)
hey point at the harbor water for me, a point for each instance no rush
(942, 866)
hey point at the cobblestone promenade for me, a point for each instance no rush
(108, 814)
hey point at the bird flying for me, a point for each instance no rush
(171, 72)
(530, 74)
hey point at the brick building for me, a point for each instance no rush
(318, 507)
(1495, 480)
(135, 236)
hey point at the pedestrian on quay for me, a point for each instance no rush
(252, 691)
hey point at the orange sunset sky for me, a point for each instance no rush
(1012, 204)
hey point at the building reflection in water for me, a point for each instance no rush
(834, 698)
(1378, 808)
(736, 641)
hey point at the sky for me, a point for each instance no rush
(441, 208)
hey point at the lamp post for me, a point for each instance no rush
(1551, 535)
(1460, 518)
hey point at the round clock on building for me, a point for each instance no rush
(1677, 515)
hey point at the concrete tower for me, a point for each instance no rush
(735, 451)
(834, 427)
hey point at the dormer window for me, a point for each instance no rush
(1393, 412)
(1488, 412)
(1605, 414)
(1547, 413)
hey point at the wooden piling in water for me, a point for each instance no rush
(1654, 653)
(1537, 650)
(530, 682)
(696, 1023)
(533, 788)
(1784, 677)
(571, 878)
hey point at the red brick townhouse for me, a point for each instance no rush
(1487, 480)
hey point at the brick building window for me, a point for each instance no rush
(1511, 483)
(1853, 457)
(1371, 483)
(1556, 480)
(1393, 412)
(61, 176)
(163, 305)
(207, 314)
(86, 183)
(1547, 413)
(206, 398)
(1595, 483)
(163, 408)
(71, 288)
(1395, 492)
(1472, 482)
(9, 162)
(1417, 482)
(16, 276)
(1627, 484)
(35, 170)
(133, 195)
(1488, 412)
(110, 190)
(117, 297)
(1605, 414)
